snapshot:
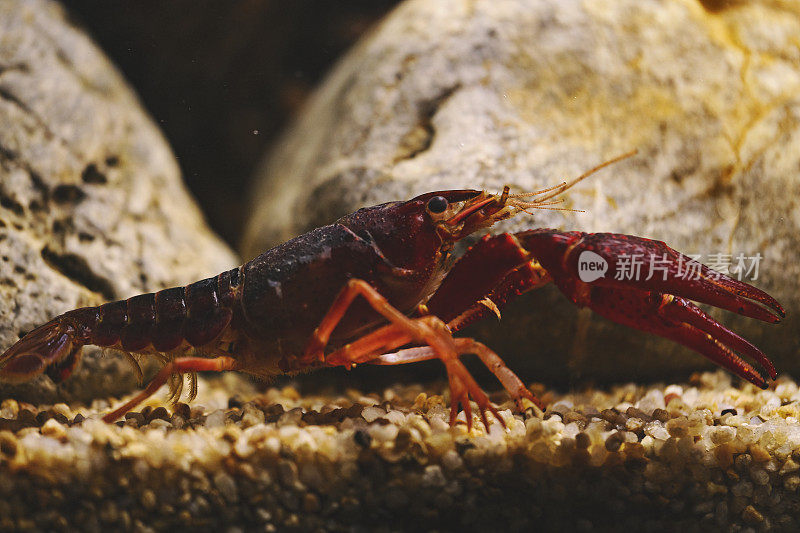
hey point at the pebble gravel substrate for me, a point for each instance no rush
(704, 455)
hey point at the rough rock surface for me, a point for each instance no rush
(92, 207)
(465, 93)
(702, 456)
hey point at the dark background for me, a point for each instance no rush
(222, 79)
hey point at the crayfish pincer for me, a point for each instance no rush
(378, 286)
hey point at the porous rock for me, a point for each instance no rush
(479, 94)
(92, 207)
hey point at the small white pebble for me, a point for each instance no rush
(367, 400)
(634, 424)
(570, 430)
(629, 436)
(735, 420)
(654, 399)
(772, 403)
(383, 433)
(63, 409)
(370, 414)
(52, 428)
(288, 433)
(552, 426)
(158, 423)
(273, 444)
(786, 390)
(533, 426)
(690, 396)
(624, 406)
(722, 434)
(215, 419)
(656, 430)
(439, 425)
(451, 460)
(396, 417)
(243, 448)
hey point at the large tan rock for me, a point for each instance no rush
(92, 206)
(457, 93)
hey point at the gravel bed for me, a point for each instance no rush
(705, 455)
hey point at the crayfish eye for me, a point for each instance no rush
(437, 205)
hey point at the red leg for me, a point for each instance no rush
(402, 330)
(354, 287)
(372, 348)
(515, 387)
(178, 366)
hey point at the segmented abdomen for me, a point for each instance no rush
(196, 313)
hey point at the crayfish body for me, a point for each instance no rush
(380, 286)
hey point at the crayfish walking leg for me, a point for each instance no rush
(179, 366)
(402, 330)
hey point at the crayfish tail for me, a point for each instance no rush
(162, 323)
(53, 348)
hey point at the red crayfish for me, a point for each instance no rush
(378, 286)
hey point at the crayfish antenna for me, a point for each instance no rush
(532, 193)
(514, 203)
(569, 184)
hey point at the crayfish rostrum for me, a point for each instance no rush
(379, 286)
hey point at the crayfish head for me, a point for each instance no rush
(418, 234)
(409, 233)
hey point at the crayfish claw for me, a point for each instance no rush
(656, 299)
